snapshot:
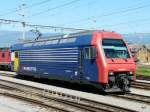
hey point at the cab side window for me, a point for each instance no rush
(16, 54)
(90, 52)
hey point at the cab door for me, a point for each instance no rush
(16, 61)
(89, 62)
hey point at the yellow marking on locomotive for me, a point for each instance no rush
(16, 62)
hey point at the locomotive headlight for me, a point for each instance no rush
(111, 77)
(130, 73)
(111, 73)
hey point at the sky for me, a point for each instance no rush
(123, 16)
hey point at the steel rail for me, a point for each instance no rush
(141, 85)
(134, 97)
(35, 101)
(81, 104)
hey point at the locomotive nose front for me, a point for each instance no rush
(124, 67)
(120, 73)
(120, 65)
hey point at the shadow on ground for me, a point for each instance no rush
(68, 85)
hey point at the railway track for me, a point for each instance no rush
(81, 103)
(134, 97)
(8, 74)
(141, 85)
(55, 100)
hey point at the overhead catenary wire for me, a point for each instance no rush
(133, 24)
(68, 3)
(111, 13)
(30, 6)
(55, 27)
(8, 21)
(56, 7)
(38, 3)
(127, 22)
(124, 10)
(81, 5)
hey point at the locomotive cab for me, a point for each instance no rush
(120, 64)
(115, 63)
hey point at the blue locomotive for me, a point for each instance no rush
(97, 57)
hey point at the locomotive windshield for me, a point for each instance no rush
(115, 48)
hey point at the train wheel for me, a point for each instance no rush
(125, 84)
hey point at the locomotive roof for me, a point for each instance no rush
(61, 36)
(73, 39)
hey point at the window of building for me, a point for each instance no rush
(3, 55)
